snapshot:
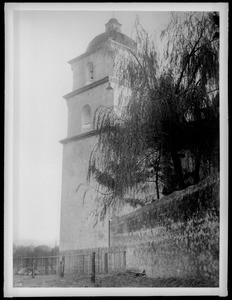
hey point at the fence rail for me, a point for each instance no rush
(97, 262)
(104, 262)
(42, 265)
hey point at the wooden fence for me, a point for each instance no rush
(46, 265)
(105, 262)
(80, 262)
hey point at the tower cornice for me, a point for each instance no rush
(79, 137)
(118, 37)
(79, 57)
(86, 88)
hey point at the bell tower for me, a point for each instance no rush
(94, 85)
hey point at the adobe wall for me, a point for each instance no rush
(176, 236)
(102, 66)
(94, 97)
(77, 229)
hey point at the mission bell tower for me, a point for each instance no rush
(94, 85)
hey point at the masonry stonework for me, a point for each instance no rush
(176, 236)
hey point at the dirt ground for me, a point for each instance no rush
(114, 280)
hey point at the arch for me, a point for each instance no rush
(89, 71)
(85, 118)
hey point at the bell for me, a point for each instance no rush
(109, 87)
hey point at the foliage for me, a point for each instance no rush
(168, 118)
(32, 251)
(22, 251)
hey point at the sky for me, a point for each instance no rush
(43, 42)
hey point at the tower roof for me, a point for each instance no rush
(113, 31)
(113, 24)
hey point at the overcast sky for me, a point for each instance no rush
(43, 42)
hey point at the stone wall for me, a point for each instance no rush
(176, 236)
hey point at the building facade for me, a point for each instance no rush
(94, 85)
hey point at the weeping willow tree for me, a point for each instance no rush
(170, 109)
(192, 51)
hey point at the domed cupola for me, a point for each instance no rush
(113, 32)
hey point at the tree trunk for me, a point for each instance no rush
(177, 167)
(157, 184)
(197, 166)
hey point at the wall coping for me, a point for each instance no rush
(213, 179)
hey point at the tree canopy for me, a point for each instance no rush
(164, 135)
(34, 251)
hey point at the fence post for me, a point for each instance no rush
(62, 264)
(93, 268)
(33, 269)
(60, 271)
(46, 266)
(106, 262)
(109, 234)
(63, 258)
(124, 259)
(83, 264)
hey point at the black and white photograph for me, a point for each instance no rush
(116, 149)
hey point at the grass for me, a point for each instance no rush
(125, 279)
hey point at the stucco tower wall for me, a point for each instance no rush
(102, 66)
(77, 229)
(93, 97)
(77, 223)
(94, 86)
